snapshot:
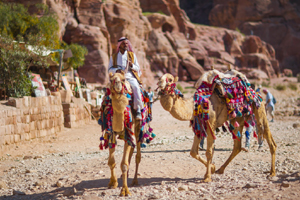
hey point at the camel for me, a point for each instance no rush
(182, 109)
(119, 103)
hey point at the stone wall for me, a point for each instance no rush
(75, 113)
(29, 117)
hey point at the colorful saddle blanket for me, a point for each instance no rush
(106, 117)
(238, 96)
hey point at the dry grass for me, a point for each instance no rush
(293, 86)
(280, 87)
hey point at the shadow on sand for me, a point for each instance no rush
(96, 185)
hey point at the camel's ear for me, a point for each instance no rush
(122, 72)
(111, 75)
(175, 79)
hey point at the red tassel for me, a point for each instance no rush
(246, 124)
(101, 146)
(254, 134)
(108, 91)
(234, 136)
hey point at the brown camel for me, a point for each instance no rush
(119, 103)
(182, 109)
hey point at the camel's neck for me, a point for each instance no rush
(179, 108)
(119, 103)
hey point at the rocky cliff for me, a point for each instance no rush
(163, 37)
(274, 21)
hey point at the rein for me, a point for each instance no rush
(169, 89)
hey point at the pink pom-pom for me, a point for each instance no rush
(246, 124)
(236, 124)
(233, 115)
(150, 129)
(252, 123)
(226, 123)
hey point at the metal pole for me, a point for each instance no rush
(60, 65)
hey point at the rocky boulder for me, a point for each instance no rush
(275, 22)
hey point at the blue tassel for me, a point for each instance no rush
(148, 141)
(153, 135)
(238, 134)
(143, 145)
(247, 134)
(101, 138)
(100, 121)
(239, 114)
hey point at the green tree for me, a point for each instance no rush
(79, 52)
(18, 29)
(17, 23)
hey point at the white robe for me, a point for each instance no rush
(121, 62)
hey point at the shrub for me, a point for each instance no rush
(179, 87)
(280, 87)
(293, 86)
(18, 30)
(265, 84)
(14, 63)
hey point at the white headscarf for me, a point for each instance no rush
(120, 42)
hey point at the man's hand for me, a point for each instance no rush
(129, 63)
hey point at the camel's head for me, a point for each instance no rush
(166, 80)
(117, 82)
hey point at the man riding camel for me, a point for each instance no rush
(125, 60)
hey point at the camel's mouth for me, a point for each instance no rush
(161, 85)
(117, 85)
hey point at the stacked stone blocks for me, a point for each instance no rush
(30, 117)
(76, 113)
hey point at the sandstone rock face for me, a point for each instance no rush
(275, 22)
(162, 36)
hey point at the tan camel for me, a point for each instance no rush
(182, 109)
(119, 103)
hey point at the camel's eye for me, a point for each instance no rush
(170, 80)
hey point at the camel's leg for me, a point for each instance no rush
(129, 159)
(209, 155)
(237, 147)
(124, 168)
(137, 162)
(263, 129)
(138, 151)
(113, 183)
(195, 153)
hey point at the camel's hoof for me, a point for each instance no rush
(271, 175)
(220, 171)
(125, 192)
(213, 168)
(112, 184)
(134, 182)
(207, 180)
(244, 149)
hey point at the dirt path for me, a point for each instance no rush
(50, 168)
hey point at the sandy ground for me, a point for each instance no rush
(71, 166)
